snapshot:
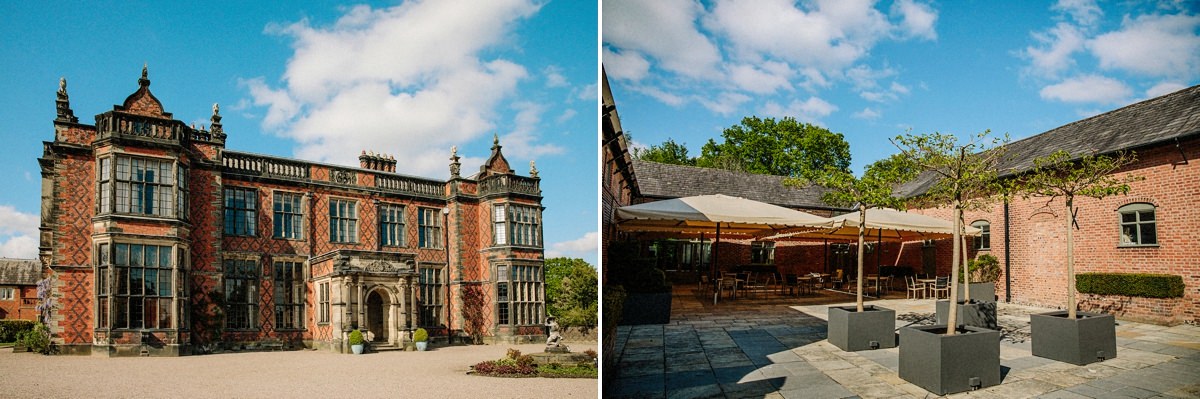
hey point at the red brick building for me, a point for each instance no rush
(1153, 229)
(18, 288)
(159, 240)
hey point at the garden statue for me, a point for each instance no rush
(553, 341)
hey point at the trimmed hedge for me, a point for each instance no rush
(1130, 284)
(11, 329)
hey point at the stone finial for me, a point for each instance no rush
(63, 103)
(495, 139)
(455, 166)
(216, 119)
(145, 79)
(533, 172)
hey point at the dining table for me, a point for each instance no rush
(928, 284)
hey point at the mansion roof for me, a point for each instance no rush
(657, 180)
(20, 271)
(1157, 121)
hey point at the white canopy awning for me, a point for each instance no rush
(707, 213)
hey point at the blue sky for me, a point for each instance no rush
(322, 81)
(872, 70)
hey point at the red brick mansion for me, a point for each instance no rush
(158, 240)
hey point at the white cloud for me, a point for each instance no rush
(625, 65)
(1088, 89)
(664, 30)
(660, 95)
(764, 78)
(724, 103)
(1164, 88)
(566, 116)
(554, 77)
(1084, 12)
(1153, 45)
(917, 20)
(18, 233)
(587, 93)
(577, 248)
(811, 110)
(1055, 50)
(522, 142)
(828, 35)
(409, 80)
(868, 114)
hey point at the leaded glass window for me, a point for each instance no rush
(241, 294)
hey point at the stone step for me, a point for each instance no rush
(385, 348)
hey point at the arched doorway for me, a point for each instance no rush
(378, 311)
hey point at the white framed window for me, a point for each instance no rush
(241, 294)
(7, 293)
(520, 296)
(432, 293)
(343, 221)
(144, 285)
(241, 211)
(323, 302)
(289, 295)
(1138, 226)
(517, 225)
(391, 225)
(141, 186)
(429, 228)
(984, 241)
(762, 252)
(289, 216)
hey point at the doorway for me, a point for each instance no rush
(377, 315)
(929, 258)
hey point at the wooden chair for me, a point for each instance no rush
(914, 288)
(792, 283)
(941, 285)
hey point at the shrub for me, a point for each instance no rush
(591, 353)
(420, 335)
(10, 329)
(1130, 284)
(356, 337)
(36, 339)
(512, 354)
(984, 269)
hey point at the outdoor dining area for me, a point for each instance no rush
(720, 216)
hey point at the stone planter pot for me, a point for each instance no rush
(873, 328)
(1090, 338)
(422, 345)
(646, 308)
(358, 349)
(977, 314)
(944, 364)
(983, 292)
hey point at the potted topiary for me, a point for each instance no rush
(421, 338)
(979, 309)
(356, 341)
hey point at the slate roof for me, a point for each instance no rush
(659, 180)
(20, 271)
(1157, 121)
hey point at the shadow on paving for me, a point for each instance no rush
(736, 348)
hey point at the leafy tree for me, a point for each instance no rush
(966, 179)
(1060, 175)
(785, 147)
(669, 152)
(873, 190)
(572, 291)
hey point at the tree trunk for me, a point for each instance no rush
(862, 226)
(1070, 258)
(966, 273)
(952, 317)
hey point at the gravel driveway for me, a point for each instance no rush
(439, 372)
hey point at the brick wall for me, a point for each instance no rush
(1038, 239)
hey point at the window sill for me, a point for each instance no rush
(291, 329)
(288, 239)
(240, 235)
(1123, 246)
(983, 249)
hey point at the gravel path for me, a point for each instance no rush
(439, 372)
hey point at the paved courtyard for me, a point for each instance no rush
(776, 347)
(438, 373)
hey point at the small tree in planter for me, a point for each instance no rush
(1071, 336)
(863, 327)
(980, 311)
(952, 358)
(356, 341)
(421, 338)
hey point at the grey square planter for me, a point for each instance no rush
(944, 364)
(646, 308)
(1090, 338)
(851, 331)
(983, 292)
(978, 314)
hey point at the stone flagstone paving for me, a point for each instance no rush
(775, 347)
